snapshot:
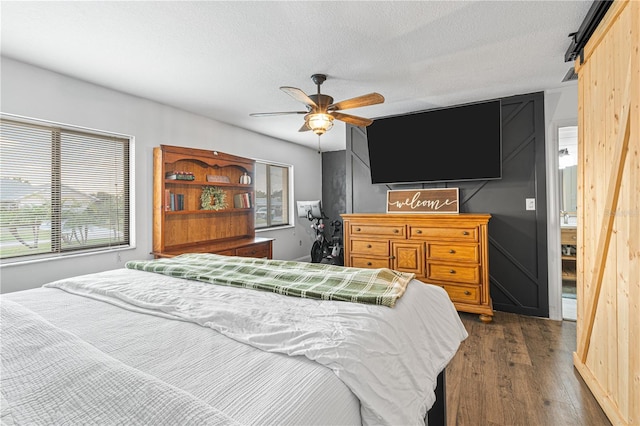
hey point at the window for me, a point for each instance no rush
(62, 189)
(272, 195)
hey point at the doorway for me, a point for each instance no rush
(568, 188)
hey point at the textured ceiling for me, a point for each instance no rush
(227, 59)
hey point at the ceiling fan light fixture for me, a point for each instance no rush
(319, 123)
(321, 110)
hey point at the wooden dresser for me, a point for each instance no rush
(449, 250)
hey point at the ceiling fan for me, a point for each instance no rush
(321, 110)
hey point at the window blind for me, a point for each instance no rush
(62, 190)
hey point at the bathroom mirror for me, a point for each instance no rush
(569, 192)
(568, 173)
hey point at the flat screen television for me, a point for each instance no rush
(457, 143)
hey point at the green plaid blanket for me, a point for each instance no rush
(299, 279)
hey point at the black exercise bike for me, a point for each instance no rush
(324, 250)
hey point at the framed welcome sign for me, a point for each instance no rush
(435, 200)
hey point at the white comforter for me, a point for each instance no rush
(388, 357)
(52, 377)
(252, 386)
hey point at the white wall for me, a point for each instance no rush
(560, 109)
(38, 93)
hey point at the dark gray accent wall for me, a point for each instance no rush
(334, 184)
(517, 237)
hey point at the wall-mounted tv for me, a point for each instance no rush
(457, 143)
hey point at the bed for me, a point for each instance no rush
(210, 339)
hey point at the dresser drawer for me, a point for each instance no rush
(258, 250)
(455, 252)
(460, 293)
(378, 230)
(450, 233)
(378, 248)
(369, 262)
(453, 272)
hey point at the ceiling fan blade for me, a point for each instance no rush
(266, 114)
(351, 119)
(304, 128)
(358, 101)
(299, 95)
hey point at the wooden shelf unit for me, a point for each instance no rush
(448, 250)
(568, 237)
(229, 231)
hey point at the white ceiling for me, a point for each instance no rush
(226, 59)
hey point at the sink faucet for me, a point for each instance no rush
(565, 216)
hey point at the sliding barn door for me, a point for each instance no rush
(608, 323)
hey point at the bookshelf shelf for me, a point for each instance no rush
(175, 182)
(221, 211)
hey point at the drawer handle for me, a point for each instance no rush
(452, 251)
(358, 229)
(419, 231)
(465, 233)
(392, 257)
(467, 292)
(368, 245)
(368, 263)
(573, 237)
(395, 231)
(452, 271)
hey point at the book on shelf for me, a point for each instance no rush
(242, 201)
(173, 201)
(178, 175)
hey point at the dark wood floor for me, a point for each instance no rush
(518, 370)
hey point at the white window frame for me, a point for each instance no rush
(44, 257)
(290, 206)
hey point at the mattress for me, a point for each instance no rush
(250, 376)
